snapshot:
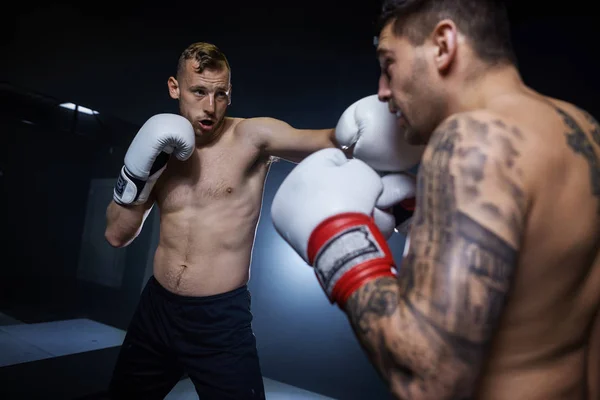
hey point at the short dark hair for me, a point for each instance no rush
(484, 22)
(207, 55)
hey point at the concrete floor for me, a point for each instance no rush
(21, 343)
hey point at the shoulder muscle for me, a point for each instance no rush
(480, 157)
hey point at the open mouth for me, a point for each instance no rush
(401, 119)
(206, 123)
(398, 114)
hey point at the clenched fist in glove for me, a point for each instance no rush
(147, 156)
(368, 125)
(324, 210)
(396, 205)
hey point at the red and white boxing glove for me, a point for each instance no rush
(324, 210)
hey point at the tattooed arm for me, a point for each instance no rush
(427, 332)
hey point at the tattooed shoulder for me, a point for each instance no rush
(582, 144)
(595, 129)
(482, 156)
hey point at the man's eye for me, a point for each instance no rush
(221, 94)
(200, 92)
(385, 69)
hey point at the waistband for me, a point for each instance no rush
(155, 285)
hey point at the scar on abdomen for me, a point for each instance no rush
(180, 274)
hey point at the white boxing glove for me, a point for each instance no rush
(395, 207)
(373, 130)
(324, 209)
(148, 153)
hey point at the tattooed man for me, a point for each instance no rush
(498, 293)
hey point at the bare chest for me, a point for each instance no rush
(223, 171)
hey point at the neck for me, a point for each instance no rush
(477, 92)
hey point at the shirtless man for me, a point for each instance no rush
(194, 314)
(498, 293)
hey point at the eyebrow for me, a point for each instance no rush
(382, 51)
(202, 87)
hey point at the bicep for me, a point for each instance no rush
(264, 132)
(278, 138)
(464, 241)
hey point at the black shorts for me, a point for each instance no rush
(209, 338)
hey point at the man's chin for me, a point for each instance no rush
(413, 138)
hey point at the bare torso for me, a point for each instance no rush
(209, 209)
(548, 343)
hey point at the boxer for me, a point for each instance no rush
(206, 173)
(498, 294)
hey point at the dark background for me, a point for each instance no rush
(301, 62)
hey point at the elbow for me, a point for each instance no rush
(115, 240)
(417, 389)
(444, 384)
(424, 377)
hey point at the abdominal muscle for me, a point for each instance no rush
(207, 251)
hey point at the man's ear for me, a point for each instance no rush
(445, 42)
(173, 87)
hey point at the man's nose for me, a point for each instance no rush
(384, 92)
(209, 103)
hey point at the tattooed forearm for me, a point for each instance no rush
(428, 330)
(368, 309)
(375, 300)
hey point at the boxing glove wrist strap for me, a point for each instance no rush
(347, 251)
(131, 190)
